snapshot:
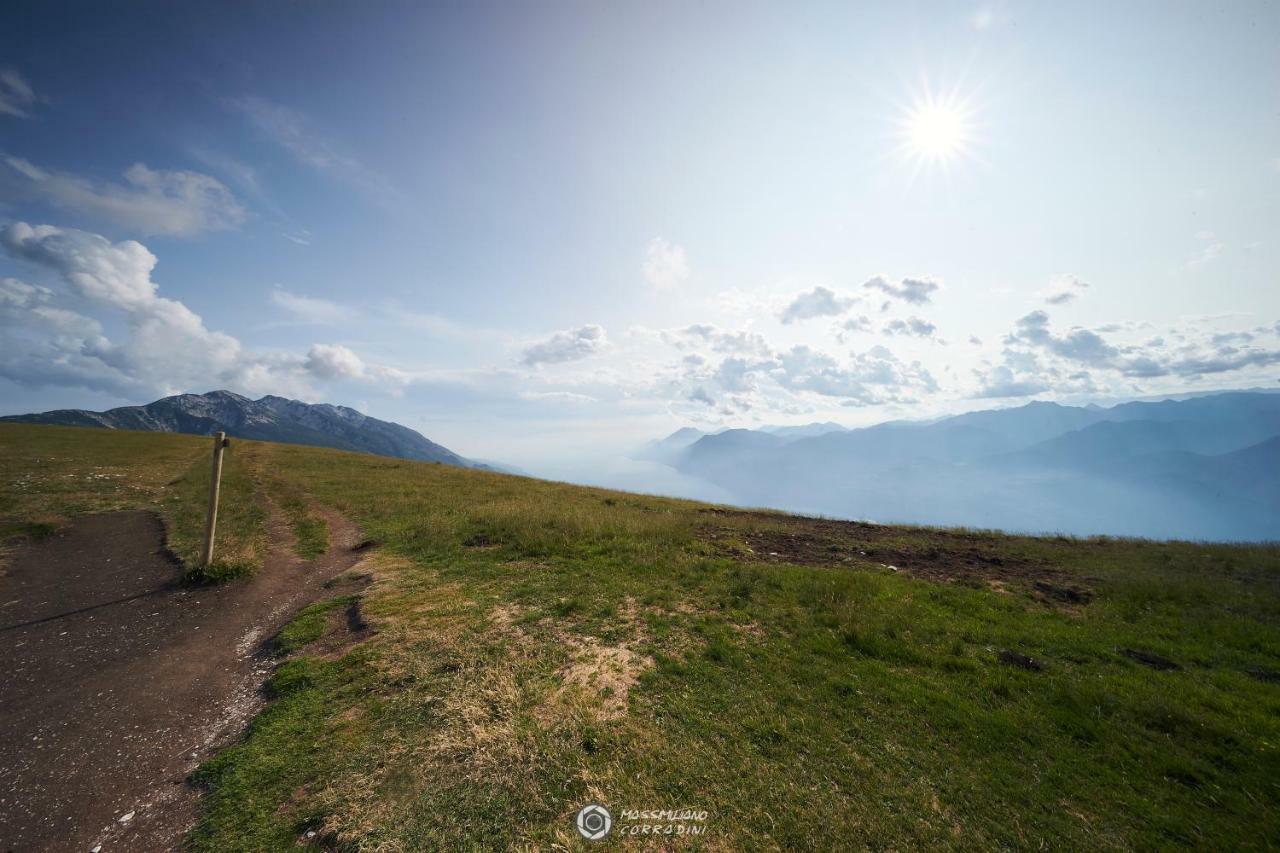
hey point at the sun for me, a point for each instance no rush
(936, 130)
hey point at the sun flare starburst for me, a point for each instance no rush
(936, 130)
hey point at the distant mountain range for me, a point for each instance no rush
(1206, 467)
(267, 419)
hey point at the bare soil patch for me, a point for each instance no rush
(949, 556)
(345, 628)
(1018, 659)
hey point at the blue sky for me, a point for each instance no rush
(543, 231)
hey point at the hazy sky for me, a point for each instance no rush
(540, 230)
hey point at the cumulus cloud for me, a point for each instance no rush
(819, 302)
(150, 201)
(873, 377)
(911, 327)
(1064, 289)
(166, 347)
(852, 326)
(916, 291)
(726, 373)
(700, 395)
(1001, 381)
(17, 96)
(1082, 345)
(716, 339)
(665, 264)
(30, 306)
(569, 345)
(1184, 353)
(333, 361)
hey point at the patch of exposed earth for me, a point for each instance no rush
(951, 556)
(119, 680)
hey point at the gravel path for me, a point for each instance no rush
(116, 680)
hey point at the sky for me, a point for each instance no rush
(543, 233)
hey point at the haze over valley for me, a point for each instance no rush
(1207, 467)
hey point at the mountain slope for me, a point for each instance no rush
(268, 419)
(1200, 468)
(666, 450)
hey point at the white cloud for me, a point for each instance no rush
(911, 327)
(556, 397)
(853, 326)
(916, 291)
(17, 96)
(700, 395)
(166, 347)
(309, 309)
(665, 265)
(333, 361)
(1000, 381)
(819, 302)
(713, 338)
(569, 345)
(149, 202)
(1186, 353)
(874, 377)
(1063, 289)
(29, 305)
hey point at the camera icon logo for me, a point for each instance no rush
(594, 822)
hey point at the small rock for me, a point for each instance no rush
(125, 818)
(1020, 660)
(97, 849)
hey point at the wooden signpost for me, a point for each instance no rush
(220, 443)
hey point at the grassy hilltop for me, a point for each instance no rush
(537, 646)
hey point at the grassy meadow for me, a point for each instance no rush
(808, 684)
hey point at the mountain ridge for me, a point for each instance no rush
(269, 418)
(1201, 467)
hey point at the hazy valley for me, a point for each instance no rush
(1201, 468)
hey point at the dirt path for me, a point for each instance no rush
(116, 681)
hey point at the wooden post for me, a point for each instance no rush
(215, 484)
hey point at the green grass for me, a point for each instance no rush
(240, 539)
(308, 626)
(539, 646)
(51, 473)
(310, 530)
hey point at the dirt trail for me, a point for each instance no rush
(117, 681)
